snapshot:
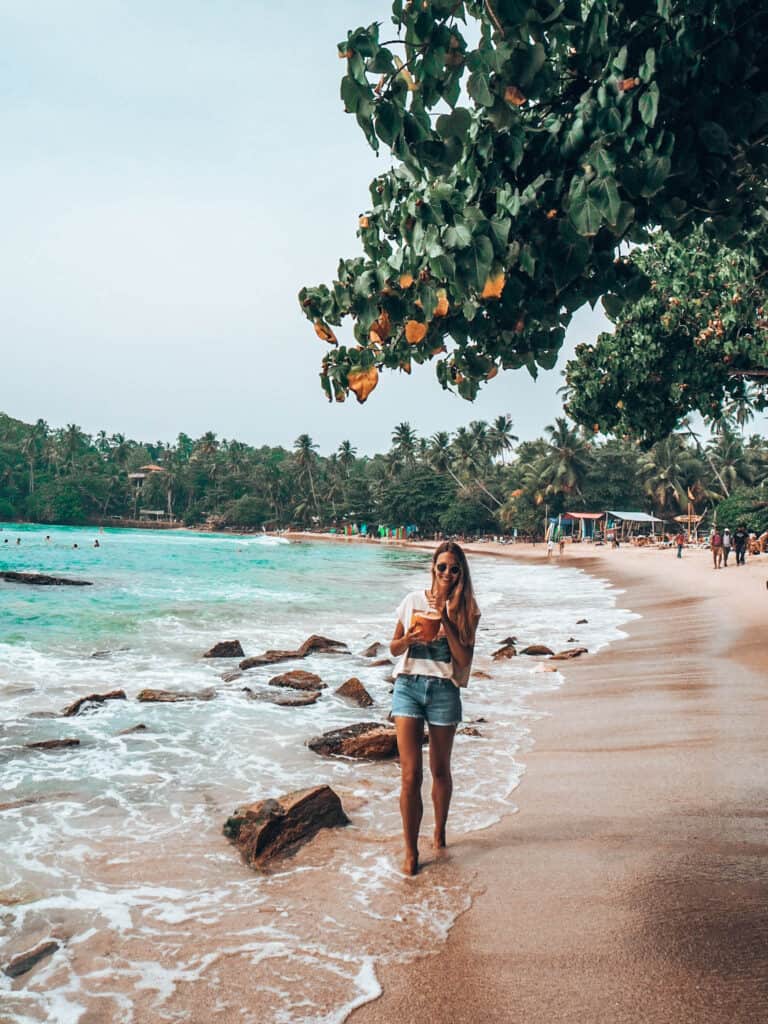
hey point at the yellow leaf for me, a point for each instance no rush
(442, 307)
(492, 373)
(324, 333)
(364, 222)
(513, 95)
(406, 280)
(494, 286)
(415, 332)
(381, 328)
(362, 382)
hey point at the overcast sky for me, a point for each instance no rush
(174, 172)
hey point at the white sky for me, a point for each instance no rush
(173, 173)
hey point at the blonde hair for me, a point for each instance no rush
(467, 611)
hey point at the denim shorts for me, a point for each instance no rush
(429, 697)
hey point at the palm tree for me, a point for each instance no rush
(500, 436)
(346, 455)
(305, 458)
(404, 444)
(726, 452)
(565, 464)
(669, 469)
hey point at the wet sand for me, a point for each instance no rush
(632, 886)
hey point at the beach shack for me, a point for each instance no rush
(137, 480)
(627, 524)
(584, 525)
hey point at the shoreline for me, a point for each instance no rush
(632, 883)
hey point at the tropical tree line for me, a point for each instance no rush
(478, 479)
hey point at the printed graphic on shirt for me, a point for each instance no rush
(438, 650)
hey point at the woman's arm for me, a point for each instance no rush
(401, 640)
(461, 653)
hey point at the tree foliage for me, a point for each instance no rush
(530, 139)
(696, 340)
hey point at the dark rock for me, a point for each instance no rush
(232, 675)
(372, 651)
(536, 649)
(270, 828)
(370, 740)
(225, 649)
(354, 690)
(40, 580)
(509, 640)
(172, 696)
(134, 728)
(285, 700)
(107, 654)
(571, 640)
(381, 661)
(297, 679)
(52, 744)
(23, 962)
(509, 651)
(479, 674)
(469, 730)
(580, 622)
(477, 721)
(311, 644)
(565, 655)
(94, 699)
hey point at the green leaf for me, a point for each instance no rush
(458, 237)
(648, 104)
(583, 208)
(388, 121)
(476, 260)
(714, 138)
(455, 124)
(479, 90)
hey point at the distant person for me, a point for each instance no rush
(18, 540)
(5, 541)
(47, 538)
(716, 544)
(550, 547)
(680, 542)
(96, 543)
(561, 545)
(740, 538)
(433, 641)
(726, 546)
(74, 545)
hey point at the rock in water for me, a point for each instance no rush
(354, 690)
(312, 643)
(225, 649)
(52, 744)
(40, 580)
(270, 828)
(285, 700)
(536, 649)
(134, 728)
(23, 962)
(172, 696)
(581, 622)
(92, 698)
(232, 675)
(372, 651)
(574, 652)
(298, 680)
(509, 651)
(369, 740)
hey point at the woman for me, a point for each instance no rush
(434, 652)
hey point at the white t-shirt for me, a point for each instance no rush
(433, 659)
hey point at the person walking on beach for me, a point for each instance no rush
(716, 543)
(740, 538)
(680, 541)
(433, 641)
(726, 546)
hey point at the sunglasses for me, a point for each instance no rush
(443, 567)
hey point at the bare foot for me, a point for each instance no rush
(411, 864)
(438, 840)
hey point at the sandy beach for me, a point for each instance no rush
(632, 884)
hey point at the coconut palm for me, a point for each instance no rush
(500, 437)
(668, 470)
(305, 458)
(404, 442)
(346, 454)
(565, 463)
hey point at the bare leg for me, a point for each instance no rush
(440, 746)
(410, 733)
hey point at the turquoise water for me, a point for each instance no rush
(115, 847)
